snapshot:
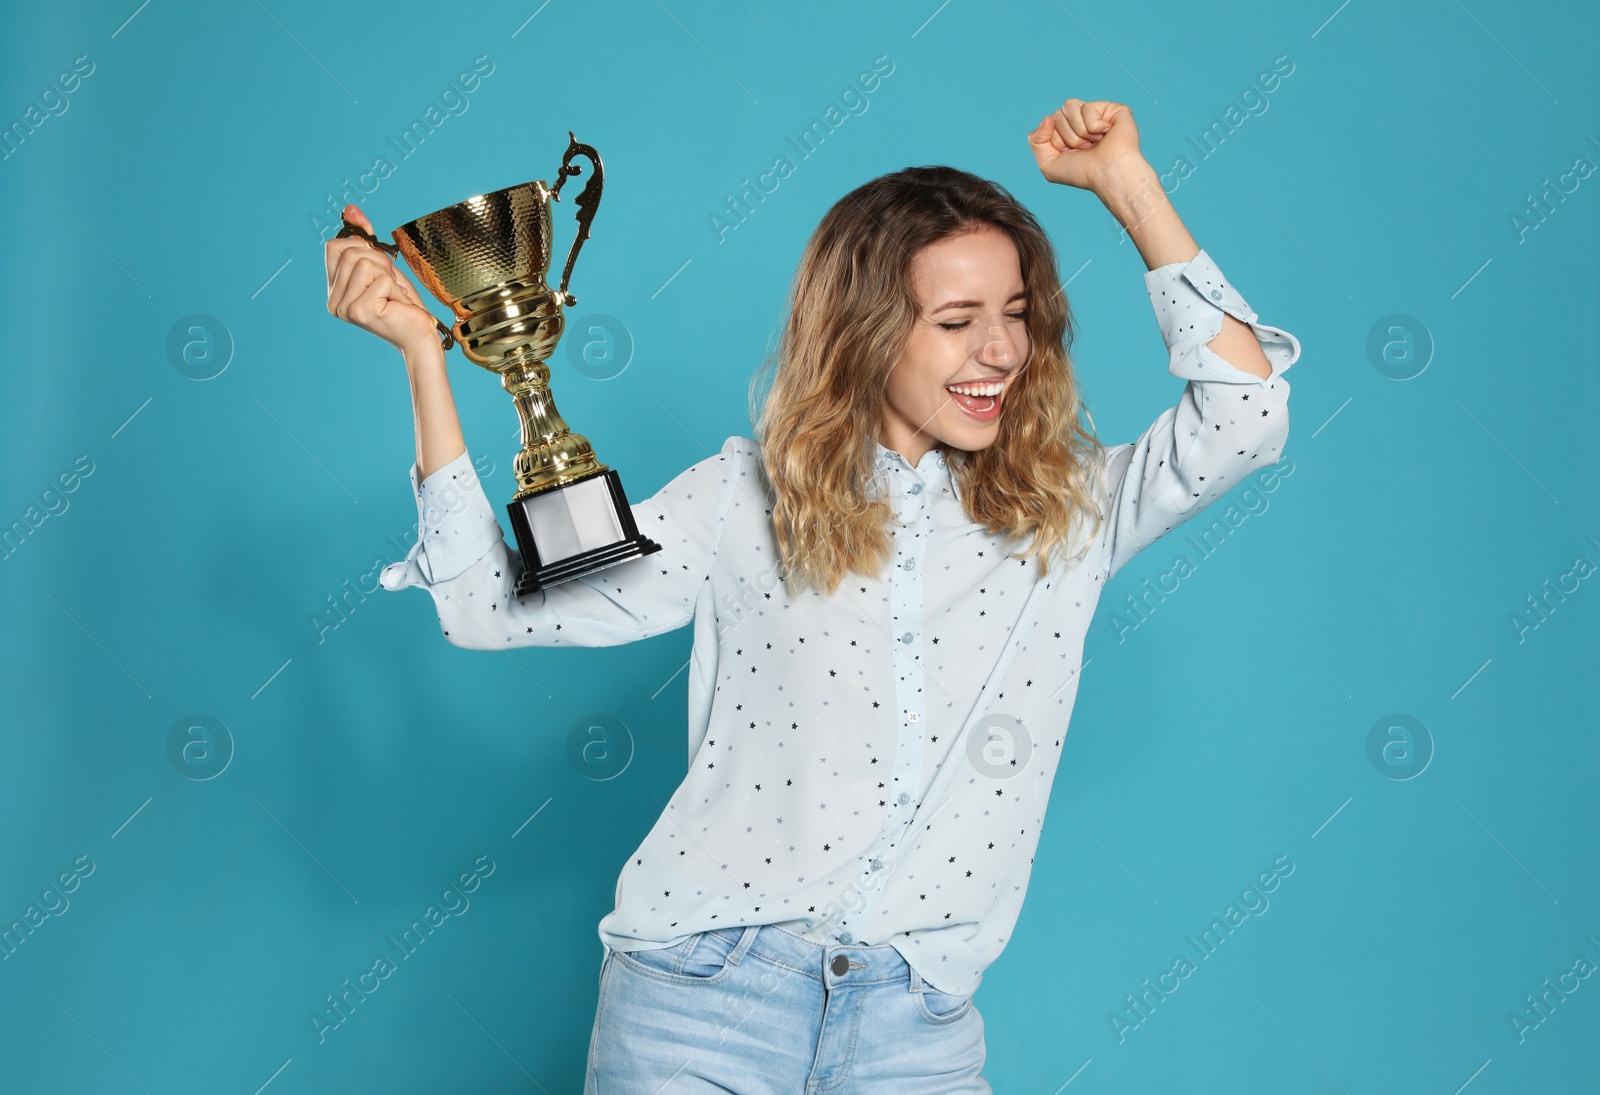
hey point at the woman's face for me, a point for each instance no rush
(971, 332)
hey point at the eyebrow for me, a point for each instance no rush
(1019, 295)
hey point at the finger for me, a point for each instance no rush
(1041, 142)
(344, 264)
(1065, 137)
(409, 290)
(1095, 120)
(353, 214)
(370, 303)
(365, 305)
(353, 279)
(1118, 113)
(1072, 109)
(403, 287)
(1060, 134)
(336, 249)
(1052, 129)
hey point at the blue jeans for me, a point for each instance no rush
(761, 1011)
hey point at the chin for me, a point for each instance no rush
(973, 437)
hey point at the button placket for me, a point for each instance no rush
(905, 599)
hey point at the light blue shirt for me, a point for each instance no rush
(872, 766)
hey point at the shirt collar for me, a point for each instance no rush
(933, 469)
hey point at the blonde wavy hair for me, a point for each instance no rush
(849, 314)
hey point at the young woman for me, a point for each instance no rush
(889, 589)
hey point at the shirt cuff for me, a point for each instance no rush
(456, 526)
(1190, 299)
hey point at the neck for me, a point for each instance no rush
(911, 446)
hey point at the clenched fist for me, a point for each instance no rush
(1077, 144)
(367, 289)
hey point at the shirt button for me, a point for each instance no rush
(903, 799)
(912, 716)
(840, 965)
(916, 488)
(877, 864)
(844, 937)
(1216, 294)
(906, 638)
(909, 564)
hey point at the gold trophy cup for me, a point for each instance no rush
(486, 259)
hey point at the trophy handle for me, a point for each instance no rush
(588, 201)
(446, 339)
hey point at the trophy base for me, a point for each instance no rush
(575, 529)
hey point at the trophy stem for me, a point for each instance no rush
(551, 454)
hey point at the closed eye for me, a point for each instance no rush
(963, 324)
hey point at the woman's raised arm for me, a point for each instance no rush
(367, 289)
(1233, 416)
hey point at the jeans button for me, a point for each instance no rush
(841, 965)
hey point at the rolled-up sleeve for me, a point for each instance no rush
(455, 527)
(1226, 423)
(462, 559)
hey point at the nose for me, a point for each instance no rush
(997, 344)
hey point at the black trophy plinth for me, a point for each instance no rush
(575, 529)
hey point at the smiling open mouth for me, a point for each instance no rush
(980, 400)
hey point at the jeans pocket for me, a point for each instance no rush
(940, 1007)
(708, 952)
(702, 957)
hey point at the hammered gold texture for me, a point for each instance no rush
(478, 244)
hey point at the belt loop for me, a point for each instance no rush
(916, 978)
(745, 942)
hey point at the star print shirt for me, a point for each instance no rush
(872, 766)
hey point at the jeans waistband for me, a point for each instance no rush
(835, 963)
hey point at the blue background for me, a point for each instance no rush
(372, 763)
